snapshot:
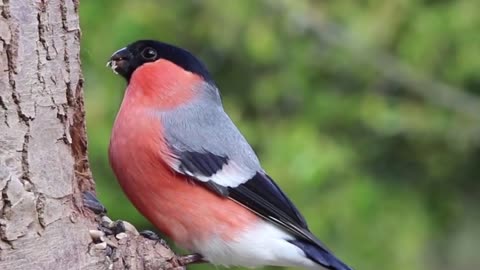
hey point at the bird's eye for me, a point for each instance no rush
(149, 53)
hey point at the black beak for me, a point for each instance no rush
(119, 61)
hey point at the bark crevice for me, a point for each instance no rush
(43, 149)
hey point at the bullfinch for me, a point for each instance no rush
(187, 168)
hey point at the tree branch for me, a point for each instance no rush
(129, 250)
(43, 151)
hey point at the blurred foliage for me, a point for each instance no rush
(341, 100)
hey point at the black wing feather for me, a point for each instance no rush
(262, 187)
(206, 164)
(264, 197)
(259, 194)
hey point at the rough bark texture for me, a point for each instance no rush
(43, 161)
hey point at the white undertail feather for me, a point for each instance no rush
(262, 244)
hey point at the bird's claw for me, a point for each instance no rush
(154, 236)
(150, 235)
(118, 228)
(91, 202)
(190, 259)
(124, 226)
(109, 227)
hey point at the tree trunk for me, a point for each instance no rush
(43, 161)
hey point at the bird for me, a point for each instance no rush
(187, 168)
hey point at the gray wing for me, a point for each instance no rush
(207, 145)
(209, 148)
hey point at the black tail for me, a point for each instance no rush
(320, 255)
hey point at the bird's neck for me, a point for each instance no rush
(162, 85)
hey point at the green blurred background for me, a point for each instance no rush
(367, 113)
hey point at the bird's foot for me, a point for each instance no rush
(120, 227)
(190, 259)
(91, 202)
(109, 230)
(153, 236)
(150, 235)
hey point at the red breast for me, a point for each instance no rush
(175, 204)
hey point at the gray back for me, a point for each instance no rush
(202, 125)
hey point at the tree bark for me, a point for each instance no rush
(43, 149)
